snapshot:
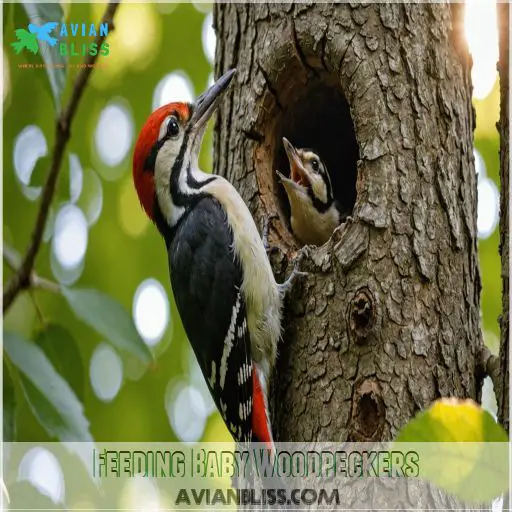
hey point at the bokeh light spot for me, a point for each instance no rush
(114, 134)
(175, 86)
(137, 33)
(488, 207)
(106, 372)
(479, 164)
(29, 146)
(209, 38)
(91, 198)
(42, 469)
(65, 275)
(211, 80)
(76, 177)
(489, 397)
(186, 411)
(481, 29)
(151, 311)
(70, 236)
(497, 504)
(141, 493)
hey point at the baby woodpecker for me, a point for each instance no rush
(315, 213)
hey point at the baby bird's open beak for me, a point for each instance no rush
(298, 173)
(288, 184)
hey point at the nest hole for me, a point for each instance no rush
(319, 119)
(368, 412)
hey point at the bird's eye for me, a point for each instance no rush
(315, 164)
(173, 128)
(170, 128)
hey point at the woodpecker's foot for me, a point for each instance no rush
(288, 284)
(266, 228)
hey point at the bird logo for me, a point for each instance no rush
(28, 39)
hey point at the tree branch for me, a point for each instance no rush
(13, 260)
(489, 365)
(23, 277)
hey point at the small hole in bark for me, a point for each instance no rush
(368, 412)
(318, 118)
(361, 315)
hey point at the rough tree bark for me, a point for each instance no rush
(387, 319)
(503, 393)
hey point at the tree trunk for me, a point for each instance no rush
(503, 391)
(387, 319)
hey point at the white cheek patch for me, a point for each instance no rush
(319, 188)
(163, 168)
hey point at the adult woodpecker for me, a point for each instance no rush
(223, 285)
(315, 213)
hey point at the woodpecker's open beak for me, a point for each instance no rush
(298, 173)
(208, 101)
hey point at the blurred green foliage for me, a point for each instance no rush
(123, 249)
(488, 144)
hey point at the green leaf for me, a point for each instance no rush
(51, 399)
(454, 421)
(9, 405)
(460, 449)
(61, 349)
(109, 318)
(56, 64)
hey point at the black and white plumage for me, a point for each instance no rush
(315, 212)
(223, 284)
(206, 278)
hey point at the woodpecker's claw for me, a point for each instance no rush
(285, 287)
